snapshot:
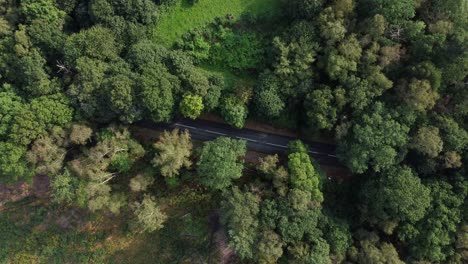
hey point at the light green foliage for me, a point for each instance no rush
(427, 141)
(182, 18)
(269, 248)
(374, 140)
(149, 215)
(41, 9)
(418, 95)
(80, 134)
(234, 111)
(158, 87)
(454, 136)
(191, 106)
(98, 166)
(316, 252)
(34, 80)
(63, 188)
(220, 163)
(397, 195)
(240, 210)
(303, 175)
(12, 163)
(331, 26)
(140, 182)
(173, 152)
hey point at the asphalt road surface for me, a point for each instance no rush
(256, 141)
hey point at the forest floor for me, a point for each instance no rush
(183, 16)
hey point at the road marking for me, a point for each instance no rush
(214, 132)
(280, 146)
(248, 139)
(191, 127)
(314, 152)
(334, 156)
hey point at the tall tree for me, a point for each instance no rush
(173, 152)
(220, 162)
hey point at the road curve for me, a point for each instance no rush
(256, 141)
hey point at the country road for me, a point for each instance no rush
(256, 141)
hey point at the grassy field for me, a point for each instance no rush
(183, 17)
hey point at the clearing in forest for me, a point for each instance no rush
(183, 16)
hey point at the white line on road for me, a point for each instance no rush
(314, 152)
(214, 132)
(191, 127)
(334, 156)
(280, 146)
(248, 139)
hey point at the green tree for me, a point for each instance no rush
(149, 216)
(96, 42)
(267, 96)
(173, 152)
(394, 12)
(63, 188)
(322, 107)
(157, 91)
(234, 111)
(13, 166)
(303, 176)
(41, 9)
(396, 196)
(10, 105)
(269, 248)
(191, 105)
(435, 233)
(220, 163)
(374, 140)
(239, 213)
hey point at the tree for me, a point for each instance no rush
(191, 105)
(10, 105)
(219, 162)
(63, 188)
(394, 12)
(122, 97)
(374, 140)
(173, 152)
(158, 87)
(140, 182)
(303, 176)
(80, 134)
(434, 234)
(46, 156)
(149, 216)
(397, 196)
(12, 163)
(234, 111)
(418, 95)
(267, 96)
(96, 42)
(374, 251)
(322, 108)
(427, 141)
(239, 213)
(42, 9)
(269, 248)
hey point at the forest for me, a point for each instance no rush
(385, 81)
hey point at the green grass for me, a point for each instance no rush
(184, 17)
